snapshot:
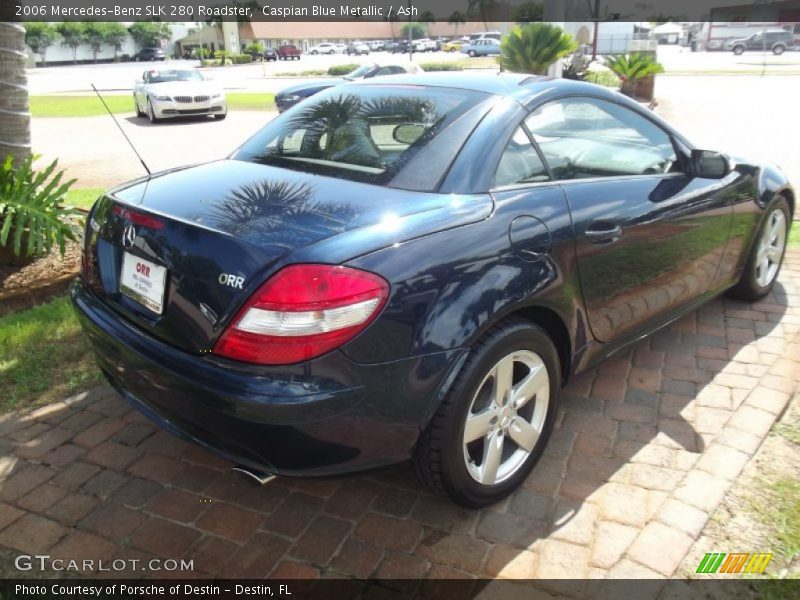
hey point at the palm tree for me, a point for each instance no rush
(631, 68)
(15, 130)
(534, 47)
(482, 9)
(456, 19)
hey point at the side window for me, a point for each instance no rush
(520, 162)
(587, 137)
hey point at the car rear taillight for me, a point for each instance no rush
(302, 312)
(138, 218)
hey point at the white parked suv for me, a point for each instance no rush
(424, 45)
(324, 48)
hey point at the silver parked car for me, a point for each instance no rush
(170, 93)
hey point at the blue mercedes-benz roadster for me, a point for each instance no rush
(412, 267)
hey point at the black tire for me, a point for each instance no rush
(748, 288)
(439, 459)
(139, 113)
(472, 53)
(220, 117)
(778, 49)
(737, 50)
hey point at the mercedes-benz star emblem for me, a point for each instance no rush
(128, 236)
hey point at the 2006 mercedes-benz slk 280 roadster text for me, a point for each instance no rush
(412, 267)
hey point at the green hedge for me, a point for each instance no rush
(441, 66)
(341, 69)
(240, 59)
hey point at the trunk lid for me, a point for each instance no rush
(218, 230)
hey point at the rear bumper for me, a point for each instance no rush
(323, 417)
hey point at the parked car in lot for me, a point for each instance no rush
(324, 48)
(267, 55)
(777, 41)
(481, 47)
(290, 96)
(357, 48)
(149, 54)
(412, 268)
(376, 45)
(401, 47)
(289, 52)
(424, 45)
(452, 46)
(171, 93)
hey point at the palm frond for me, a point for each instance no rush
(534, 47)
(630, 67)
(32, 217)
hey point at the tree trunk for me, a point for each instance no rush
(15, 126)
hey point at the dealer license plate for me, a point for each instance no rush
(143, 282)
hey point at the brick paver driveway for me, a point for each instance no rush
(645, 448)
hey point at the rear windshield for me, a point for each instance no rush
(371, 133)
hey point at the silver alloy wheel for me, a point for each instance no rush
(506, 417)
(770, 248)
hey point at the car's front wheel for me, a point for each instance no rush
(491, 429)
(778, 49)
(139, 113)
(151, 113)
(473, 54)
(737, 50)
(221, 117)
(766, 255)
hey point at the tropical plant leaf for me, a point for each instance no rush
(534, 47)
(632, 67)
(32, 217)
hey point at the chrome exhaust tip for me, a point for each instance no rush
(253, 476)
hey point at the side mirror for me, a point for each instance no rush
(407, 133)
(709, 164)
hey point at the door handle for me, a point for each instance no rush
(603, 233)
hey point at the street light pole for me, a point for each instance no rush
(410, 34)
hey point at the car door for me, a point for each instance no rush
(648, 235)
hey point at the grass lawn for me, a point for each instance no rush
(781, 511)
(90, 106)
(82, 197)
(44, 356)
(794, 236)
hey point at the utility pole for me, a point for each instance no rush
(596, 16)
(410, 35)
